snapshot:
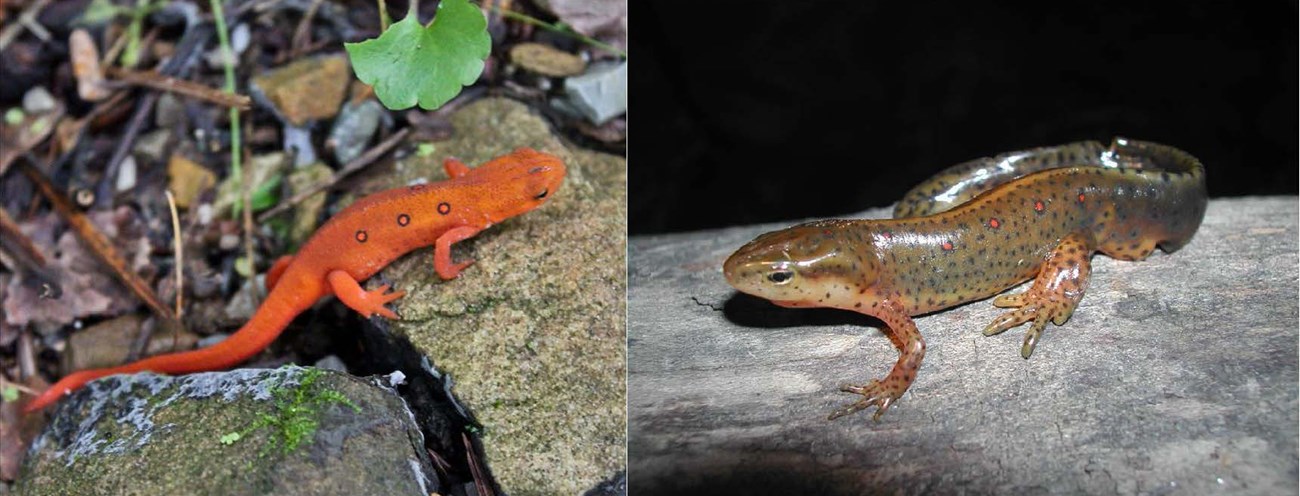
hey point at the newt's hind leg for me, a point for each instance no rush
(277, 269)
(366, 303)
(911, 350)
(1055, 294)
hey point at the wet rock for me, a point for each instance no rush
(251, 431)
(353, 128)
(306, 90)
(533, 332)
(601, 93)
(546, 60)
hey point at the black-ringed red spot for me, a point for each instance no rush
(1082, 197)
(947, 246)
(1039, 206)
(444, 208)
(994, 222)
(403, 220)
(361, 236)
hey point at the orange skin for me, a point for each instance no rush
(356, 244)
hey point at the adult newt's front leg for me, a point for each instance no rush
(911, 348)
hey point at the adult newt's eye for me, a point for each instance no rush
(542, 194)
(781, 276)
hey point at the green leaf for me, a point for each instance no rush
(229, 439)
(426, 149)
(9, 393)
(14, 116)
(411, 64)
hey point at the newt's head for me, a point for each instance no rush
(809, 265)
(519, 181)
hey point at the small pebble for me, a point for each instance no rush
(126, 175)
(38, 100)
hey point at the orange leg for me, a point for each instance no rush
(1055, 294)
(455, 168)
(366, 303)
(442, 251)
(277, 270)
(911, 350)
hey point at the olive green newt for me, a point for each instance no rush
(976, 230)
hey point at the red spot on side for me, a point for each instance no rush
(887, 235)
(362, 236)
(444, 208)
(947, 246)
(1082, 197)
(994, 222)
(1039, 207)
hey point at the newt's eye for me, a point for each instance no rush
(780, 276)
(541, 195)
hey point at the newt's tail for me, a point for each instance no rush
(270, 320)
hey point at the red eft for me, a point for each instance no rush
(358, 242)
(976, 230)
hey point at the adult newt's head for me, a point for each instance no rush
(818, 264)
(520, 181)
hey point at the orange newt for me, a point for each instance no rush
(976, 230)
(358, 242)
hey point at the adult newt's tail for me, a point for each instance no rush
(271, 318)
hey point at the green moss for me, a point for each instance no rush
(297, 409)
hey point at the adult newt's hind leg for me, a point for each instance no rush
(1055, 294)
(277, 270)
(366, 303)
(911, 348)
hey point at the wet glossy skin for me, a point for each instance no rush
(976, 230)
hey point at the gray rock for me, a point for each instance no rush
(601, 93)
(1176, 374)
(353, 128)
(231, 433)
(534, 331)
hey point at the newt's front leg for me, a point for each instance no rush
(442, 251)
(911, 348)
(1055, 294)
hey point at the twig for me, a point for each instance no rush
(143, 109)
(356, 164)
(188, 88)
(480, 479)
(302, 34)
(560, 29)
(29, 14)
(177, 247)
(98, 244)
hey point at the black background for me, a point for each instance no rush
(764, 111)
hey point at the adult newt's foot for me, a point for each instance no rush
(1054, 296)
(875, 393)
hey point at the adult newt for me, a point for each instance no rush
(358, 242)
(976, 230)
